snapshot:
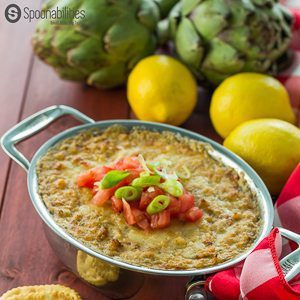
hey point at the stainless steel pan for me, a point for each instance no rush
(68, 249)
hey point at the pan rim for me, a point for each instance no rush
(265, 202)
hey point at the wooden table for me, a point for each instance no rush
(27, 85)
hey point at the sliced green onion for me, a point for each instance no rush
(173, 187)
(158, 204)
(183, 172)
(129, 193)
(112, 178)
(146, 181)
(163, 173)
(153, 165)
(143, 174)
(144, 164)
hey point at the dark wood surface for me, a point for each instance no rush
(26, 86)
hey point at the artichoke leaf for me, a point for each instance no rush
(165, 6)
(223, 58)
(89, 55)
(214, 77)
(210, 17)
(108, 77)
(70, 73)
(189, 44)
(42, 39)
(100, 15)
(188, 6)
(148, 15)
(241, 13)
(174, 19)
(125, 38)
(257, 65)
(66, 39)
(263, 2)
(148, 50)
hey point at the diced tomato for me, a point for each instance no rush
(105, 169)
(129, 217)
(131, 162)
(181, 217)
(193, 214)
(140, 218)
(102, 196)
(95, 189)
(127, 163)
(161, 220)
(175, 206)
(88, 178)
(106, 194)
(147, 197)
(116, 204)
(187, 201)
(133, 174)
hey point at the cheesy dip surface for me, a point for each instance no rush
(231, 218)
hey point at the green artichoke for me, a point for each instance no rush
(102, 47)
(218, 38)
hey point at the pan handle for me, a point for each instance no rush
(32, 125)
(290, 264)
(195, 289)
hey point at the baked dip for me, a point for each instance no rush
(152, 199)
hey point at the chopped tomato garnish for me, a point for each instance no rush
(161, 220)
(140, 210)
(127, 163)
(95, 189)
(105, 169)
(102, 196)
(133, 174)
(175, 206)
(187, 201)
(193, 214)
(140, 218)
(117, 204)
(88, 178)
(147, 197)
(129, 217)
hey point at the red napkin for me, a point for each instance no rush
(260, 276)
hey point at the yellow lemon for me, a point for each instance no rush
(248, 96)
(270, 146)
(162, 89)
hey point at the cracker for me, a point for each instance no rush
(41, 292)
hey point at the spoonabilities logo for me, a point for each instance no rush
(56, 15)
(13, 13)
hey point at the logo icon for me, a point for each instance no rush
(13, 13)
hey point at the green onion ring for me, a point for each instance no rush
(158, 204)
(129, 193)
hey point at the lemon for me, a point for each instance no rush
(270, 146)
(162, 89)
(248, 96)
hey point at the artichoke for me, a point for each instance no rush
(218, 38)
(102, 47)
